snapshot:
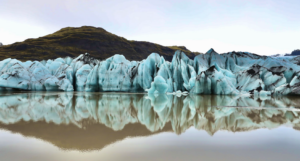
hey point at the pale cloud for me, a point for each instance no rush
(262, 27)
(13, 31)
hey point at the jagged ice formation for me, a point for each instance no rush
(231, 73)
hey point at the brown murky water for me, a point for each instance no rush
(109, 126)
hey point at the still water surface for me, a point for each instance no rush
(96, 126)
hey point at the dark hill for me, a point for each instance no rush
(295, 52)
(97, 42)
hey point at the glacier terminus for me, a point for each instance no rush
(232, 73)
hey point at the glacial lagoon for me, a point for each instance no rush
(122, 126)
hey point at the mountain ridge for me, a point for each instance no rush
(99, 43)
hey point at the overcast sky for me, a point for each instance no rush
(264, 27)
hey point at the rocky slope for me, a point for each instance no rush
(99, 43)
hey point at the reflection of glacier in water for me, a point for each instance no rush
(115, 111)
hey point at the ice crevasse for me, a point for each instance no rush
(230, 73)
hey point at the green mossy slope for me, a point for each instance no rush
(97, 42)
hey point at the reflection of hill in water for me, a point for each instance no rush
(91, 120)
(93, 137)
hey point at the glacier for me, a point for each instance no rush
(233, 73)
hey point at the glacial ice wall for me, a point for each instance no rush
(231, 73)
